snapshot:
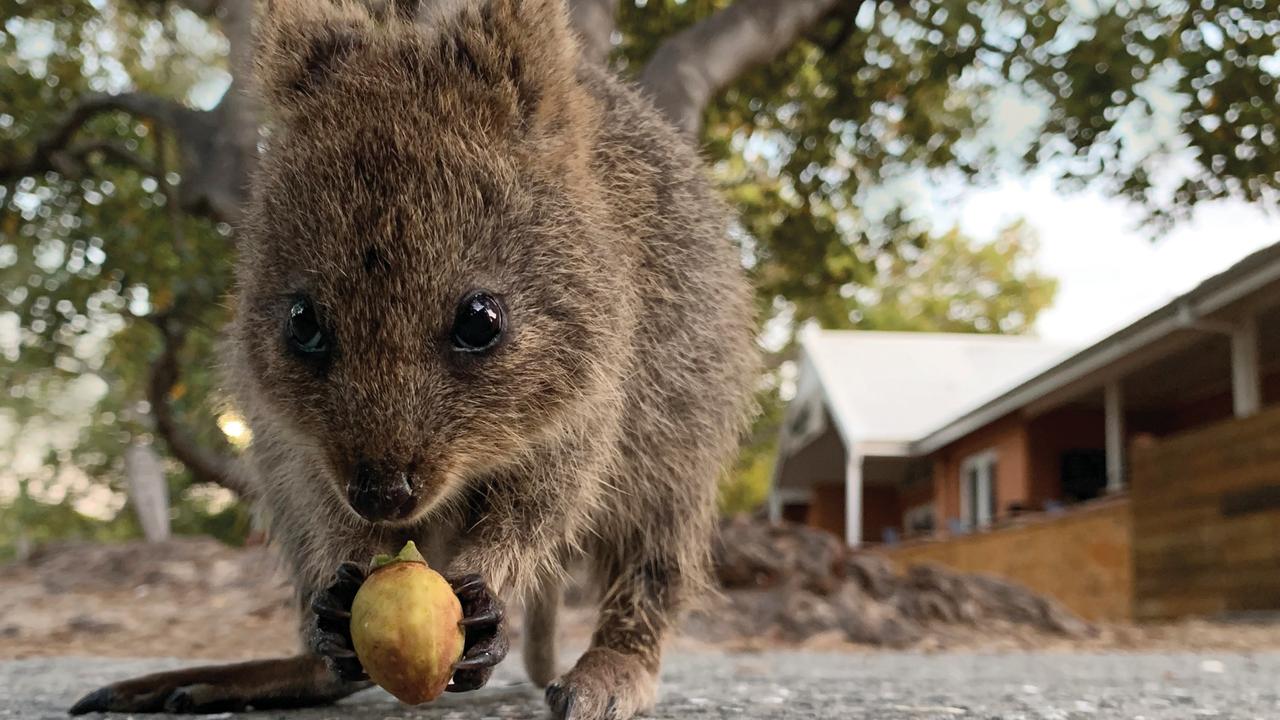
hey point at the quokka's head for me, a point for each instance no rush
(423, 295)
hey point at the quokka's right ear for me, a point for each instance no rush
(303, 42)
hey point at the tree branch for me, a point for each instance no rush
(690, 67)
(594, 20)
(47, 152)
(218, 147)
(71, 161)
(205, 466)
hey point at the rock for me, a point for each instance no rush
(797, 582)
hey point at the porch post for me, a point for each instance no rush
(1246, 383)
(1113, 403)
(775, 505)
(853, 499)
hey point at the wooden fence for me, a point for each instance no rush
(1081, 557)
(1206, 520)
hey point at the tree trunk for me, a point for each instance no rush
(148, 489)
(692, 66)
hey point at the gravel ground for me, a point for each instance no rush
(776, 685)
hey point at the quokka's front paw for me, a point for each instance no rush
(483, 621)
(604, 685)
(331, 636)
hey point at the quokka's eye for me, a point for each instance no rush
(305, 333)
(478, 323)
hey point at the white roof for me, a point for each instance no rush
(887, 389)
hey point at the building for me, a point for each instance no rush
(896, 438)
(862, 400)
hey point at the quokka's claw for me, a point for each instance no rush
(486, 639)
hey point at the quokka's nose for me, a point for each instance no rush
(377, 494)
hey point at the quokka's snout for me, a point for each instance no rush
(380, 491)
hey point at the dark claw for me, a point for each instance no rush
(486, 643)
(331, 638)
(492, 617)
(468, 680)
(325, 605)
(333, 648)
(180, 701)
(350, 573)
(467, 586)
(560, 700)
(478, 661)
(348, 669)
(97, 701)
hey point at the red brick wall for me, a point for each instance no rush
(1009, 438)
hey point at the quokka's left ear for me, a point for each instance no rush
(525, 45)
(301, 43)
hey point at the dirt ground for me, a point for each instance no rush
(195, 598)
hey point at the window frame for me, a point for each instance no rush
(987, 464)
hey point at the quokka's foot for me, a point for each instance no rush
(162, 695)
(486, 644)
(604, 685)
(137, 696)
(331, 637)
(300, 681)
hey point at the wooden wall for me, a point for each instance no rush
(881, 509)
(826, 511)
(1206, 508)
(1081, 558)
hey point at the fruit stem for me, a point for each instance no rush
(408, 553)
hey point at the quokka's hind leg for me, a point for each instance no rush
(617, 678)
(540, 632)
(326, 674)
(294, 682)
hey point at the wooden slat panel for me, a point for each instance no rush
(1206, 522)
(1083, 559)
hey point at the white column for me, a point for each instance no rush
(1246, 380)
(148, 489)
(1113, 403)
(853, 499)
(775, 505)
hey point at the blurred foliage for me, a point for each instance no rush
(1167, 103)
(81, 256)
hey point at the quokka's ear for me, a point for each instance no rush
(302, 42)
(524, 45)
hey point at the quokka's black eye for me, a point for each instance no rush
(479, 323)
(305, 333)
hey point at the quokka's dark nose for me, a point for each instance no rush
(381, 494)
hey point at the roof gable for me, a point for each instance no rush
(891, 388)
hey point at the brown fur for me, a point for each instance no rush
(412, 162)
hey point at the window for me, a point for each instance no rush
(978, 489)
(1084, 474)
(918, 520)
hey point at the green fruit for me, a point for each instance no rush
(404, 625)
